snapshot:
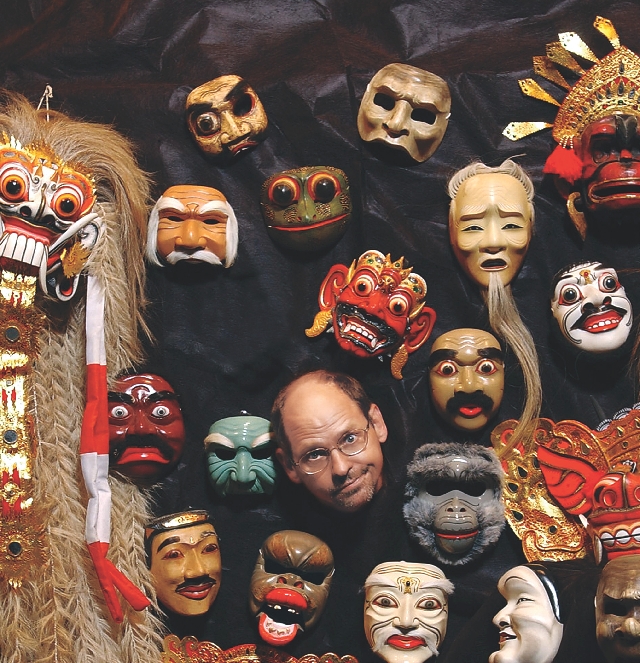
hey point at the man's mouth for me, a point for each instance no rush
(406, 642)
(351, 484)
(605, 320)
(494, 264)
(197, 590)
(364, 330)
(281, 617)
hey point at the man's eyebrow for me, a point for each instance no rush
(239, 88)
(167, 542)
(491, 353)
(439, 355)
(121, 397)
(161, 396)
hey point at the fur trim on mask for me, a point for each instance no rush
(419, 512)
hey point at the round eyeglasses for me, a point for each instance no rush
(350, 444)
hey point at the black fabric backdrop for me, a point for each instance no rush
(229, 339)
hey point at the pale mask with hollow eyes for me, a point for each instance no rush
(405, 108)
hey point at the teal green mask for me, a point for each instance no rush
(240, 456)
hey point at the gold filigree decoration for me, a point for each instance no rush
(320, 323)
(191, 650)
(546, 531)
(74, 259)
(610, 86)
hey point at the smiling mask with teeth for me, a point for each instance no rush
(375, 307)
(591, 307)
(290, 585)
(45, 216)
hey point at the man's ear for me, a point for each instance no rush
(375, 417)
(289, 469)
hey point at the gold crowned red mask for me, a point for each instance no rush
(596, 126)
(376, 307)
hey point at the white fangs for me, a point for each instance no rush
(22, 249)
(354, 328)
(275, 628)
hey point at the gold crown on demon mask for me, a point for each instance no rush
(568, 477)
(611, 86)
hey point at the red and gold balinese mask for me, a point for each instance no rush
(45, 216)
(306, 209)
(597, 161)
(146, 429)
(591, 474)
(290, 585)
(226, 117)
(375, 307)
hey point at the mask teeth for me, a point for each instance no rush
(22, 249)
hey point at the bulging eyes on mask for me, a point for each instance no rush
(407, 109)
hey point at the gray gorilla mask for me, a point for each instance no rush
(454, 510)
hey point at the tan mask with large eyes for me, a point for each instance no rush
(226, 117)
(405, 108)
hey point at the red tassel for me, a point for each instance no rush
(564, 163)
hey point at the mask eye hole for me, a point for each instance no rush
(486, 367)
(67, 204)
(601, 148)
(284, 191)
(385, 601)
(207, 124)
(119, 412)
(614, 607)
(608, 282)
(13, 186)
(262, 453)
(430, 603)
(364, 285)
(423, 115)
(569, 294)
(224, 453)
(160, 411)
(384, 101)
(243, 105)
(323, 187)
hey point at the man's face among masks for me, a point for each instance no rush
(490, 226)
(146, 429)
(467, 377)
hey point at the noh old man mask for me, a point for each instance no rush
(290, 585)
(226, 117)
(407, 109)
(454, 510)
(306, 209)
(406, 611)
(240, 456)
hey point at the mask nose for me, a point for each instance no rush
(189, 236)
(492, 239)
(502, 619)
(230, 128)
(630, 628)
(142, 425)
(467, 382)
(193, 567)
(406, 617)
(397, 124)
(243, 472)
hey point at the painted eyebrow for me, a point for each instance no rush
(491, 353)
(121, 397)
(168, 542)
(161, 396)
(238, 89)
(439, 355)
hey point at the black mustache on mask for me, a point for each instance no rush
(593, 310)
(195, 582)
(148, 441)
(462, 398)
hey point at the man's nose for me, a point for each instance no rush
(340, 464)
(190, 235)
(399, 119)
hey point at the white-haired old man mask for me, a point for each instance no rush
(192, 223)
(530, 627)
(490, 226)
(407, 109)
(406, 611)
